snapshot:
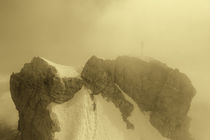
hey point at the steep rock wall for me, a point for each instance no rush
(32, 90)
(166, 93)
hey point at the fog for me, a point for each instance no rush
(176, 32)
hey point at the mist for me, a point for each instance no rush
(175, 32)
(8, 113)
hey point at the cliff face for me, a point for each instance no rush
(164, 92)
(32, 90)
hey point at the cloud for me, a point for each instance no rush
(70, 31)
(8, 112)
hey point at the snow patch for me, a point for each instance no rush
(63, 71)
(146, 58)
(143, 128)
(79, 120)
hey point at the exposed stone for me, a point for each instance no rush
(32, 90)
(100, 81)
(165, 92)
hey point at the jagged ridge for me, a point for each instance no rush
(32, 90)
(165, 92)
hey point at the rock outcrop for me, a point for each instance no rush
(164, 92)
(32, 90)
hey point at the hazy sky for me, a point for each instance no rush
(176, 32)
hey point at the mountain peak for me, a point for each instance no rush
(51, 96)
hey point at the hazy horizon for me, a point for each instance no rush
(69, 32)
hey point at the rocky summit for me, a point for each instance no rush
(121, 99)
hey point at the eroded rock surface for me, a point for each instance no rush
(32, 90)
(164, 92)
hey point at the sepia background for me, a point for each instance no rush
(176, 32)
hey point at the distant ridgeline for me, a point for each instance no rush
(164, 92)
